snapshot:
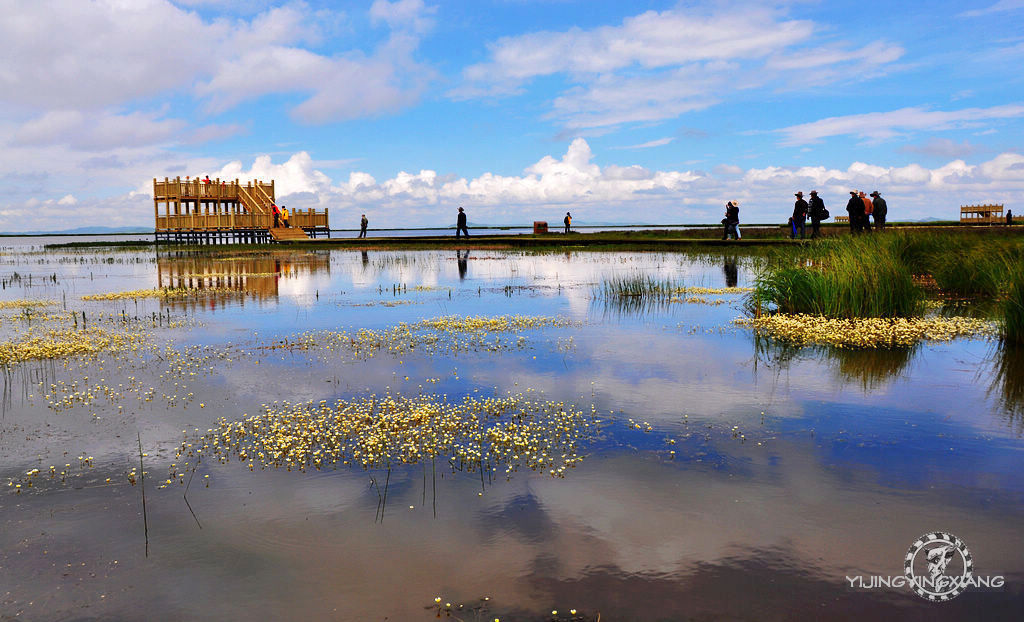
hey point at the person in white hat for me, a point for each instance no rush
(731, 220)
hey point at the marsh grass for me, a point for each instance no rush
(846, 278)
(637, 286)
(1013, 308)
(874, 275)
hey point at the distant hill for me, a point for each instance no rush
(85, 231)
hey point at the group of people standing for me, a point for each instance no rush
(862, 209)
(814, 209)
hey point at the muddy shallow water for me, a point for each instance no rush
(728, 476)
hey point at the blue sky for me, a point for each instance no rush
(654, 112)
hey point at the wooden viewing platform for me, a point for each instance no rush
(215, 211)
(982, 215)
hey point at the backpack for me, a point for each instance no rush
(824, 214)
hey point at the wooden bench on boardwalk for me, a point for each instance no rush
(982, 215)
(213, 211)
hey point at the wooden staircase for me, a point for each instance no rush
(288, 234)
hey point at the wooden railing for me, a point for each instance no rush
(199, 189)
(308, 219)
(209, 222)
(250, 202)
(981, 214)
(305, 219)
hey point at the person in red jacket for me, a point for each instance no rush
(868, 208)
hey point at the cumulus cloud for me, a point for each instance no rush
(879, 126)
(659, 65)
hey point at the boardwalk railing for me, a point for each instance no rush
(981, 214)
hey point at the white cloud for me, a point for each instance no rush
(878, 126)
(660, 65)
(64, 54)
(998, 7)
(411, 14)
(660, 142)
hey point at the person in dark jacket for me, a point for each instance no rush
(567, 221)
(879, 210)
(460, 224)
(799, 216)
(363, 222)
(1009, 217)
(731, 220)
(817, 209)
(855, 208)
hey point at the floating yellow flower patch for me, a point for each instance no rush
(25, 304)
(57, 343)
(448, 333)
(713, 291)
(700, 300)
(512, 432)
(867, 332)
(168, 292)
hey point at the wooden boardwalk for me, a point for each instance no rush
(214, 211)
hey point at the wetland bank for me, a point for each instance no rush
(405, 434)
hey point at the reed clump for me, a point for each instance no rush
(1013, 308)
(637, 286)
(846, 278)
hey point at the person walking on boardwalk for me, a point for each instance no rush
(880, 210)
(460, 224)
(731, 220)
(868, 208)
(284, 216)
(855, 208)
(799, 216)
(363, 222)
(817, 209)
(567, 221)
(277, 214)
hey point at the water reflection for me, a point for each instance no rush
(462, 258)
(731, 270)
(869, 368)
(258, 275)
(1007, 384)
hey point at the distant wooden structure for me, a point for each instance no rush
(982, 215)
(212, 211)
(844, 219)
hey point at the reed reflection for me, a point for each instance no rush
(1007, 383)
(869, 368)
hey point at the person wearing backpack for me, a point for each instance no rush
(567, 221)
(818, 213)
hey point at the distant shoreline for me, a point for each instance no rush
(924, 223)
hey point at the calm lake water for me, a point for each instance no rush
(728, 477)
